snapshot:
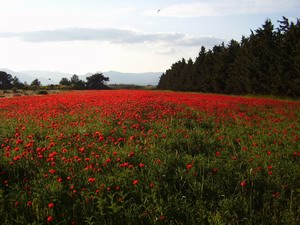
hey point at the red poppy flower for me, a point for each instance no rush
(215, 170)
(189, 166)
(218, 154)
(29, 203)
(52, 171)
(243, 183)
(135, 182)
(92, 180)
(50, 218)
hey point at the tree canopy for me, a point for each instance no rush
(96, 81)
(266, 62)
(76, 83)
(65, 81)
(36, 82)
(5, 80)
(17, 83)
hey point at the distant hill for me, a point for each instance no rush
(115, 77)
(46, 77)
(23, 77)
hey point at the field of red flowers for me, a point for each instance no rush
(149, 157)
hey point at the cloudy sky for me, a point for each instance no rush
(80, 36)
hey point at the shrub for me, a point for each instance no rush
(42, 92)
(14, 90)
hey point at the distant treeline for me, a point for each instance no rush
(131, 87)
(267, 62)
(94, 82)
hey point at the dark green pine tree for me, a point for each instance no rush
(255, 59)
(265, 43)
(186, 76)
(162, 83)
(97, 81)
(242, 69)
(198, 71)
(17, 83)
(5, 80)
(266, 62)
(65, 81)
(180, 75)
(77, 84)
(233, 84)
(173, 78)
(220, 67)
(288, 59)
(36, 82)
(206, 83)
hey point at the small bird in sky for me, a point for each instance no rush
(158, 10)
(49, 79)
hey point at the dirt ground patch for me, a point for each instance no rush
(10, 93)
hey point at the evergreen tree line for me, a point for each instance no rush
(7, 81)
(267, 62)
(95, 81)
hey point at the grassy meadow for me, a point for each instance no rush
(149, 157)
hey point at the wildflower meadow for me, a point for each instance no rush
(149, 157)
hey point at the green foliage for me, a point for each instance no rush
(17, 83)
(265, 63)
(134, 160)
(35, 83)
(42, 92)
(5, 81)
(96, 81)
(65, 81)
(14, 90)
(76, 83)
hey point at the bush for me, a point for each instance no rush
(14, 90)
(42, 92)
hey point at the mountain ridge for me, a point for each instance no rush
(115, 77)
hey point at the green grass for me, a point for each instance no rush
(149, 160)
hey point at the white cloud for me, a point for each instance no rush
(81, 57)
(23, 15)
(166, 51)
(112, 35)
(224, 7)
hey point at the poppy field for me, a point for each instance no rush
(149, 157)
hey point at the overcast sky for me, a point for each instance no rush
(80, 36)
